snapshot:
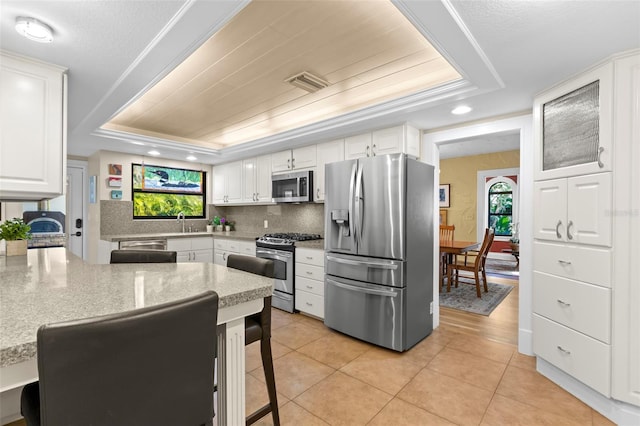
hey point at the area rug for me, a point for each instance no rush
(500, 267)
(464, 297)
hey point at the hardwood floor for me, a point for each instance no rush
(500, 326)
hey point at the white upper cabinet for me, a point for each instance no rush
(256, 180)
(573, 126)
(399, 139)
(227, 183)
(574, 210)
(33, 138)
(294, 159)
(327, 152)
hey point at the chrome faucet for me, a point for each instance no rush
(181, 215)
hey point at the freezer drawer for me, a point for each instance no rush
(367, 269)
(368, 312)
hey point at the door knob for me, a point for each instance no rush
(78, 234)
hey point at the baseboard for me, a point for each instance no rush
(525, 341)
(619, 412)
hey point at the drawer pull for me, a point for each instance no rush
(563, 350)
(309, 257)
(564, 262)
(309, 273)
(309, 286)
(563, 303)
(309, 304)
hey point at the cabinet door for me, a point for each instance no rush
(263, 179)
(249, 180)
(233, 182)
(327, 152)
(573, 126)
(357, 146)
(219, 180)
(550, 216)
(220, 257)
(304, 158)
(183, 256)
(33, 148)
(387, 141)
(589, 209)
(202, 256)
(281, 161)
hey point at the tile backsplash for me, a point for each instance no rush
(116, 218)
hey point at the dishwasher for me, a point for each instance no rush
(144, 245)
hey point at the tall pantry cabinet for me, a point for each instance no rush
(586, 285)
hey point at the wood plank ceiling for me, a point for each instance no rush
(232, 89)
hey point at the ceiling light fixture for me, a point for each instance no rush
(307, 81)
(154, 153)
(463, 109)
(192, 158)
(34, 30)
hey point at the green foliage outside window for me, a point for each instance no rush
(501, 208)
(148, 204)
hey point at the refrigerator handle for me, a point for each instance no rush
(351, 199)
(359, 201)
(387, 293)
(369, 264)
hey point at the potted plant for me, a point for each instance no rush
(217, 222)
(16, 233)
(514, 241)
(210, 226)
(229, 225)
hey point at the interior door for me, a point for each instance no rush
(75, 203)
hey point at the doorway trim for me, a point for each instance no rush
(84, 165)
(431, 141)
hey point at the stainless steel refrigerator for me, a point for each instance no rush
(379, 249)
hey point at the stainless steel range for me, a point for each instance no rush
(281, 249)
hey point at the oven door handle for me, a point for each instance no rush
(273, 254)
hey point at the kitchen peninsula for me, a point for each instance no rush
(51, 285)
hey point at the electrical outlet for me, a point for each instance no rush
(266, 224)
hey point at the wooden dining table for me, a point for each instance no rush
(450, 248)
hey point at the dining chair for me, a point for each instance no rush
(257, 327)
(473, 262)
(446, 234)
(143, 256)
(149, 366)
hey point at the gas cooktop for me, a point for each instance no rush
(285, 238)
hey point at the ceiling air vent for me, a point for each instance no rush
(307, 81)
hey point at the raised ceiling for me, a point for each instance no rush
(233, 88)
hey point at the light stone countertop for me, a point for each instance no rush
(51, 285)
(154, 236)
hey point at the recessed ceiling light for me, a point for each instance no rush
(463, 109)
(192, 158)
(34, 30)
(153, 152)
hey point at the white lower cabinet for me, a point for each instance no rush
(223, 247)
(194, 249)
(310, 281)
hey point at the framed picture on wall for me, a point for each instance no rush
(444, 195)
(443, 217)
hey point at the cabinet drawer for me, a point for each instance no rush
(220, 244)
(310, 303)
(201, 243)
(247, 247)
(309, 271)
(584, 358)
(580, 306)
(588, 264)
(179, 244)
(311, 286)
(310, 256)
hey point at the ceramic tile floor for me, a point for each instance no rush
(324, 377)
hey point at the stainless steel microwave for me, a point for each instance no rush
(294, 187)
